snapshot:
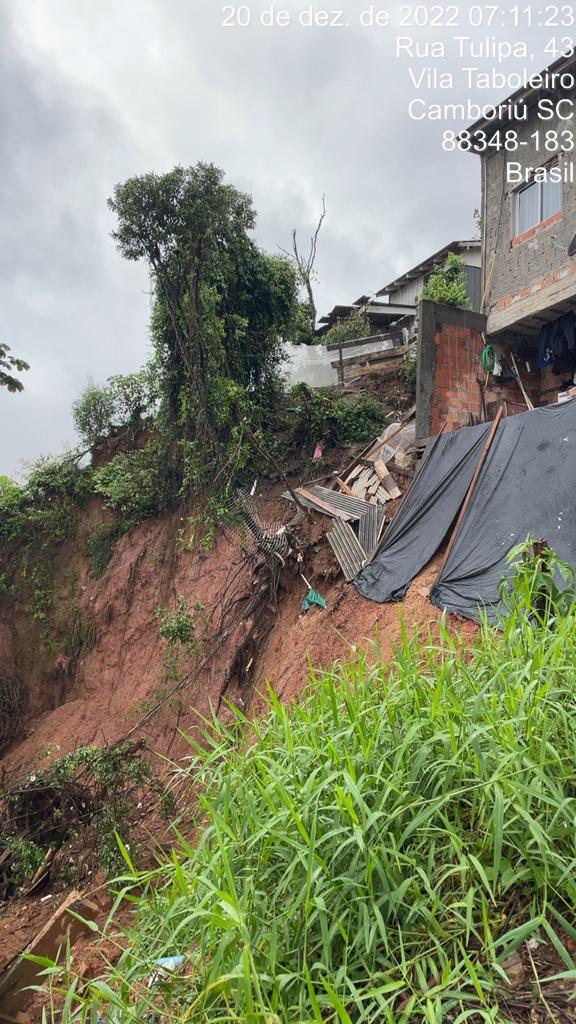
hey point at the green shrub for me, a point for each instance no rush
(322, 417)
(9, 489)
(177, 627)
(376, 852)
(357, 325)
(134, 483)
(125, 402)
(44, 510)
(100, 547)
(28, 857)
(448, 284)
(78, 633)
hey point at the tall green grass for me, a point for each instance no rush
(375, 852)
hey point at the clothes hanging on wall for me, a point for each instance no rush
(557, 344)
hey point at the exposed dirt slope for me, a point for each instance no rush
(103, 696)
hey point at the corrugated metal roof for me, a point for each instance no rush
(347, 548)
(338, 513)
(356, 507)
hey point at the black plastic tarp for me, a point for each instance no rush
(527, 487)
(426, 513)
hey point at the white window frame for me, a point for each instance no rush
(540, 186)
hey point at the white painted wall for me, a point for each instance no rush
(310, 364)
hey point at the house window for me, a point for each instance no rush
(537, 202)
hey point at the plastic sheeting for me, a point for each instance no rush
(426, 513)
(527, 487)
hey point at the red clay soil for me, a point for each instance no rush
(107, 692)
(349, 622)
(100, 698)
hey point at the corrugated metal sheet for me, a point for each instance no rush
(309, 503)
(369, 529)
(347, 548)
(356, 507)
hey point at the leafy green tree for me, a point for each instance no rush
(9, 491)
(223, 307)
(124, 403)
(448, 284)
(8, 363)
(302, 332)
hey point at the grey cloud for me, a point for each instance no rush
(93, 93)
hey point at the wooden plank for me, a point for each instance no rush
(395, 468)
(389, 483)
(384, 355)
(344, 487)
(520, 384)
(355, 472)
(382, 369)
(60, 929)
(467, 499)
(321, 505)
(371, 340)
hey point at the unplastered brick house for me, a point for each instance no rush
(528, 275)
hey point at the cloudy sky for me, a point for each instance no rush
(94, 91)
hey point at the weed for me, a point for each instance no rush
(78, 634)
(323, 417)
(177, 627)
(100, 547)
(376, 852)
(27, 857)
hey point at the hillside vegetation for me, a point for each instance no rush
(377, 851)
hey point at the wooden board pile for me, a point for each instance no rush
(372, 481)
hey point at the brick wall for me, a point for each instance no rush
(451, 377)
(456, 392)
(450, 343)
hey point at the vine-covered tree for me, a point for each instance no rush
(223, 306)
(9, 364)
(448, 284)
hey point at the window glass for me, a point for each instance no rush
(528, 214)
(551, 198)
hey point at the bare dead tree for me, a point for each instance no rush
(305, 263)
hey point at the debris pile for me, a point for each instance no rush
(357, 499)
